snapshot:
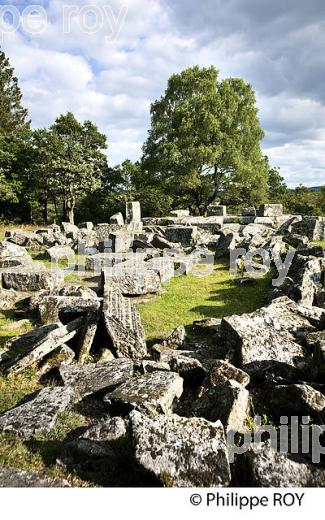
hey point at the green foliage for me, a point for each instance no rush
(12, 114)
(204, 140)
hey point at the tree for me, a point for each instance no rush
(69, 161)
(278, 190)
(12, 114)
(204, 140)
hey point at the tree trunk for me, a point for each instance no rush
(45, 211)
(69, 209)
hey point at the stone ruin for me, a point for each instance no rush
(169, 406)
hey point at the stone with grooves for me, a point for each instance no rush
(87, 379)
(117, 219)
(56, 336)
(12, 255)
(19, 478)
(262, 466)
(133, 212)
(151, 393)
(265, 338)
(38, 414)
(179, 451)
(123, 324)
(227, 402)
(32, 279)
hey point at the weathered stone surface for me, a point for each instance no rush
(227, 402)
(121, 241)
(88, 379)
(265, 337)
(176, 338)
(63, 355)
(215, 210)
(319, 359)
(312, 227)
(117, 219)
(161, 242)
(185, 235)
(79, 291)
(221, 372)
(123, 324)
(60, 253)
(148, 366)
(8, 298)
(24, 238)
(107, 431)
(151, 393)
(179, 213)
(53, 308)
(133, 212)
(87, 335)
(89, 226)
(271, 210)
(226, 243)
(306, 273)
(249, 212)
(35, 278)
(264, 467)
(19, 478)
(45, 342)
(297, 399)
(67, 228)
(38, 414)
(164, 266)
(101, 261)
(196, 453)
(12, 255)
(135, 282)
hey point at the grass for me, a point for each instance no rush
(319, 243)
(191, 297)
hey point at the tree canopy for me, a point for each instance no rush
(204, 140)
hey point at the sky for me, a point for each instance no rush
(107, 60)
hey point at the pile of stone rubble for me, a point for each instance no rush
(168, 408)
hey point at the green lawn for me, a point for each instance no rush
(320, 243)
(189, 298)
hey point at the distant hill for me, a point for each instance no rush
(315, 188)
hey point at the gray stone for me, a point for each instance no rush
(12, 255)
(60, 253)
(271, 210)
(162, 243)
(151, 393)
(79, 291)
(221, 372)
(185, 235)
(100, 261)
(265, 337)
(123, 324)
(312, 227)
(69, 228)
(117, 219)
(63, 355)
(133, 212)
(135, 282)
(297, 399)
(176, 338)
(179, 213)
(38, 414)
(53, 308)
(35, 278)
(8, 297)
(110, 430)
(86, 225)
(249, 212)
(227, 402)
(121, 241)
(148, 366)
(215, 210)
(24, 238)
(164, 266)
(225, 244)
(181, 452)
(40, 344)
(19, 478)
(88, 379)
(319, 359)
(264, 467)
